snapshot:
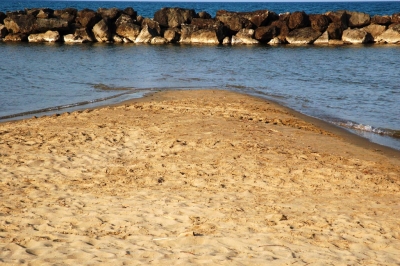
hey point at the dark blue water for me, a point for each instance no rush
(354, 86)
(147, 9)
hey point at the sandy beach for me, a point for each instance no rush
(195, 177)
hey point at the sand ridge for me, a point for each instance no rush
(193, 177)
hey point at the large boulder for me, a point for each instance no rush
(102, 31)
(381, 20)
(335, 31)
(303, 36)
(359, 20)
(109, 14)
(152, 25)
(146, 35)
(259, 17)
(3, 31)
(49, 36)
(233, 21)
(87, 18)
(356, 36)
(340, 18)
(205, 36)
(51, 24)
(395, 18)
(130, 12)
(323, 39)
(298, 20)
(283, 29)
(20, 23)
(266, 33)
(172, 35)
(391, 35)
(174, 17)
(210, 25)
(16, 37)
(68, 14)
(375, 30)
(319, 22)
(244, 36)
(125, 27)
(80, 35)
(186, 33)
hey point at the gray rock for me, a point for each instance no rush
(323, 39)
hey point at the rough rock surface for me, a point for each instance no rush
(339, 18)
(265, 34)
(49, 36)
(174, 17)
(244, 36)
(391, 35)
(20, 23)
(381, 20)
(101, 31)
(359, 20)
(356, 36)
(126, 28)
(303, 36)
(298, 20)
(146, 35)
(335, 31)
(319, 22)
(172, 35)
(16, 37)
(323, 39)
(375, 30)
(87, 18)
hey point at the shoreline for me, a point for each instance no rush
(344, 133)
(193, 176)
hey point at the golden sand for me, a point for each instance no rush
(194, 177)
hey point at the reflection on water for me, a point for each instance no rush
(346, 83)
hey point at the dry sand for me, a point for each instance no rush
(194, 177)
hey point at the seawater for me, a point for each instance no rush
(355, 86)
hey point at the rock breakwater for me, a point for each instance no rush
(177, 25)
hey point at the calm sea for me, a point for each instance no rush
(357, 87)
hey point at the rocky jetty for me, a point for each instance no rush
(177, 25)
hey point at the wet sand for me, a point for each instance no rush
(195, 177)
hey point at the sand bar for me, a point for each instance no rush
(194, 177)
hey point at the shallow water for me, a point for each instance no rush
(354, 86)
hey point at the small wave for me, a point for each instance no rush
(65, 106)
(367, 128)
(104, 87)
